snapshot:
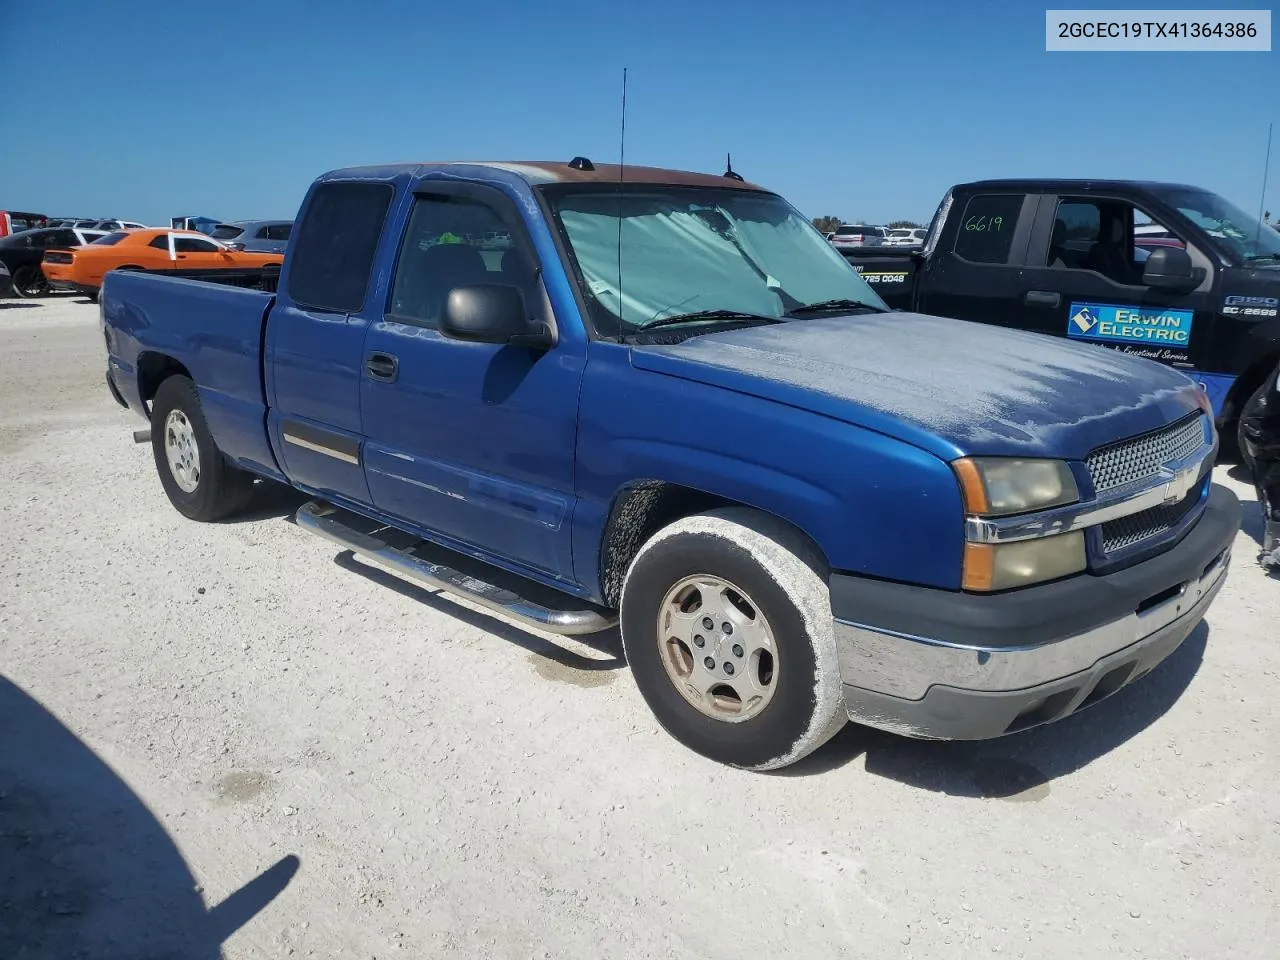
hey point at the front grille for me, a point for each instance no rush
(1127, 531)
(1142, 457)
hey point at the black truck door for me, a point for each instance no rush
(974, 273)
(1083, 280)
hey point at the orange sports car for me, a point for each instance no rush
(175, 252)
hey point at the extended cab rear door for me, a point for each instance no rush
(315, 336)
(1083, 280)
(973, 272)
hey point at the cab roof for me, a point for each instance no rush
(1028, 185)
(539, 172)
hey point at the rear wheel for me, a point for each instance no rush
(726, 624)
(30, 282)
(198, 479)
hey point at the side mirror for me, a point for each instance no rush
(491, 313)
(235, 245)
(1169, 268)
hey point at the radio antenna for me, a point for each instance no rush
(622, 167)
(1266, 169)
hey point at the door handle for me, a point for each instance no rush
(382, 366)
(1043, 298)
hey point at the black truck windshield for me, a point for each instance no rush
(652, 253)
(1240, 235)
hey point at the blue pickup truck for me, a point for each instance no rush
(581, 395)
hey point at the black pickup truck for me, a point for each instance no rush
(1165, 271)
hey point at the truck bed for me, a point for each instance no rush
(214, 331)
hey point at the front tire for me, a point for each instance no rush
(726, 624)
(1241, 446)
(198, 479)
(29, 283)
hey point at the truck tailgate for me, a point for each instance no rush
(211, 329)
(891, 273)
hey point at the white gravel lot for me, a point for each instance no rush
(231, 738)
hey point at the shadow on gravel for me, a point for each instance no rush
(1241, 474)
(270, 501)
(86, 870)
(1251, 522)
(607, 641)
(1021, 766)
(18, 305)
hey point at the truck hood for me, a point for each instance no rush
(951, 387)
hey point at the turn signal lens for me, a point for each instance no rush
(1003, 566)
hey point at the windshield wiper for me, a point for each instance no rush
(704, 315)
(1255, 258)
(823, 306)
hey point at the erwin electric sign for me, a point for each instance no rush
(1112, 323)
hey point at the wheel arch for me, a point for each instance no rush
(641, 508)
(1247, 383)
(154, 368)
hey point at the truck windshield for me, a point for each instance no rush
(648, 253)
(1239, 234)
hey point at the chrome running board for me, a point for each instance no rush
(377, 544)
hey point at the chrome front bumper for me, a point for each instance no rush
(933, 686)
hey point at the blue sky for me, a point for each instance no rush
(866, 109)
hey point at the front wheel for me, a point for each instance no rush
(726, 624)
(1241, 445)
(29, 282)
(198, 479)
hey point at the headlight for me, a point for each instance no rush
(1003, 566)
(995, 486)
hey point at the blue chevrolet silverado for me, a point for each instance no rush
(580, 396)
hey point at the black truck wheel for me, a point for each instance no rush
(29, 282)
(198, 479)
(1243, 448)
(726, 624)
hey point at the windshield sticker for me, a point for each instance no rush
(1112, 323)
(1250, 306)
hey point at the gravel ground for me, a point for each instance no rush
(231, 738)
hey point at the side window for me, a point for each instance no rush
(987, 226)
(453, 242)
(262, 233)
(279, 231)
(1112, 238)
(1077, 225)
(337, 240)
(160, 243)
(194, 245)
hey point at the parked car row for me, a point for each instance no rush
(74, 253)
(856, 235)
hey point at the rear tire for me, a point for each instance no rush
(29, 283)
(199, 481)
(759, 577)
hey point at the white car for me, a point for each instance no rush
(907, 236)
(858, 235)
(112, 225)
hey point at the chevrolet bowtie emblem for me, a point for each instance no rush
(1178, 483)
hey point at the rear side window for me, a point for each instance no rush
(337, 239)
(279, 231)
(225, 231)
(986, 227)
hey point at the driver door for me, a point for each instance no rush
(1083, 281)
(474, 442)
